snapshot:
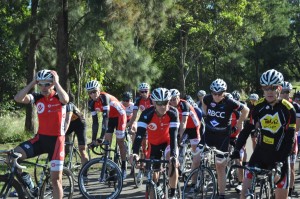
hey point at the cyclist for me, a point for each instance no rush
(75, 122)
(113, 117)
(161, 121)
(276, 119)
(50, 137)
(141, 103)
(284, 94)
(200, 95)
(218, 108)
(189, 123)
(235, 132)
(253, 98)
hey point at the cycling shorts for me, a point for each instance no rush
(218, 140)
(193, 135)
(54, 146)
(118, 123)
(79, 128)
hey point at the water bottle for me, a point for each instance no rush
(27, 180)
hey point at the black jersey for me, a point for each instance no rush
(218, 116)
(76, 113)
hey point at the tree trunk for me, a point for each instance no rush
(183, 51)
(31, 68)
(62, 44)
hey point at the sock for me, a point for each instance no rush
(123, 167)
(172, 192)
(290, 191)
(222, 196)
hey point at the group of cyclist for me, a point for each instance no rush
(165, 118)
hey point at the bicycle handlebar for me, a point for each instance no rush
(205, 148)
(15, 156)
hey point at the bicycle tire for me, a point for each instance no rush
(151, 191)
(264, 192)
(67, 184)
(15, 187)
(138, 176)
(75, 164)
(38, 171)
(91, 187)
(205, 186)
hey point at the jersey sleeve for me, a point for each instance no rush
(174, 126)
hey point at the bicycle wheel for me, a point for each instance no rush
(90, 184)
(39, 172)
(151, 191)
(264, 192)
(138, 176)
(67, 185)
(75, 164)
(15, 190)
(201, 183)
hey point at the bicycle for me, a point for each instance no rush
(100, 177)
(201, 182)
(12, 182)
(185, 158)
(265, 179)
(155, 190)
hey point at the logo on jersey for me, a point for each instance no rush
(213, 104)
(271, 123)
(142, 107)
(214, 123)
(27, 146)
(40, 107)
(216, 113)
(152, 126)
(62, 154)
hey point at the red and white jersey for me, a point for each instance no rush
(51, 114)
(109, 103)
(142, 104)
(185, 109)
(129, 110)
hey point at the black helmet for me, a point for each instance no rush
(127, 96)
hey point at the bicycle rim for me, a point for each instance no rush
(15, 190)
(201, 183)
(92, 185)
(150, 192)
(67, 185)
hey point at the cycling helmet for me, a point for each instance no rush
(219, 85)
(174, 92)
(236, 95)
(287, 86)
(160, 94)
(229, 95)
(92, 85)
(189, 99)
(271, 77)
(44, 75)
(253, 96)
(127, 96)
(201, 93)
(144, 86)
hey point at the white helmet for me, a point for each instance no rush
(92, 85)
(201, 93)
(144, 86)
(174, 92)
(236, 95)
(160, 94)
(229, 95)
(253, 96)
(287, 86)
(219, 85)
(271, 78)
(44, 75)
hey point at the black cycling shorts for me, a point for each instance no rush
(79, 128)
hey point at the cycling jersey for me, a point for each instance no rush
(185, 109)
(129, 110)
(218, 118)
(111, 108)
(160, 129)
(51, 114)
(277, 128)
(297, 109)
(234, 118)
(76, 113)
(142, 104)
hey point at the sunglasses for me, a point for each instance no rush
(44, 84)
(217, 93)
(269, 88)
(92, 92)
(143, 91)
(285, 92)
(161, 103)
